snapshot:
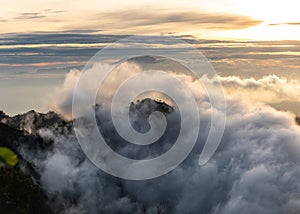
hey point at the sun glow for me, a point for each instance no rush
(266, 32)
(281, 19)
(269, 10)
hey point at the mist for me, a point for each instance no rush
(255, 169)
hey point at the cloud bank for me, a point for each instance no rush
(269, 89)
(256, 168)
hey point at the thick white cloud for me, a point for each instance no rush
(256, 168)
(269, 89)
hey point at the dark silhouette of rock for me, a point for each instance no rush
(20, 190)
(298, 120)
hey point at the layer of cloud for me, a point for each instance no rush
(285, 23)
(29, 52)
(255, 170)
(245, 59)
(47, 13)
(168, 19)
(24, 16)
(269, 89)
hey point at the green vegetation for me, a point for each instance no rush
(7, 157)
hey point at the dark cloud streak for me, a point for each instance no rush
(38, 15)
(242, 58)
(285, 23)
(25, 16)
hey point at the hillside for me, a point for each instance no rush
(20, 187)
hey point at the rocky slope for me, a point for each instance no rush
(20, 186)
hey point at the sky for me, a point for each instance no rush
(40, 42)
(256, 19)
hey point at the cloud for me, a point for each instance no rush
(42, 64)
(54, 11)
(269, 89)
(228, 57)
(63, 104)
(38, 15)
(26, 16)
(285, 23)
(168, 19)
(50, 48)
(255, 170)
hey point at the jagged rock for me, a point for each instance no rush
(32, 121)
(140, 111)
(19, 186)
(297, 120)
(147, 106)
(20, 190)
